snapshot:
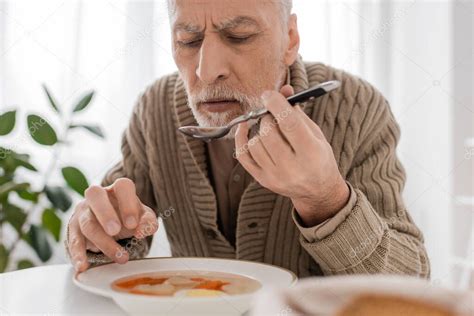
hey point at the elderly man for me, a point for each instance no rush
(316, 190)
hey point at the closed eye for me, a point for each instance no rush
(230, 38)
(193, 43)
(239, 39)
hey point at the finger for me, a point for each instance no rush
(260, 154)
(91, 246)
(148, 224)
(315, 129)
(93, 231)
(77, 247)
(98, 201)
(287, 91)
(290, 120)
(273, 140)
(242, 153)
(128, 202)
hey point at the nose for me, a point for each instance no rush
(213, 65)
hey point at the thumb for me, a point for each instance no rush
(287, 90)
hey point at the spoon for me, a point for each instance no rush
(210, 133)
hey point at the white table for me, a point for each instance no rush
(49, 290)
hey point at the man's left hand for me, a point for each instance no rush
(291, 157)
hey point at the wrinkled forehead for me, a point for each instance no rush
(201, 13)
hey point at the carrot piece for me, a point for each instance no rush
(211, 285)
(138, 281)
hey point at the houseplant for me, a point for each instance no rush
(30, 206)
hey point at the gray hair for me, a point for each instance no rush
(285, 7)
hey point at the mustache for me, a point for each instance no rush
(223, 93)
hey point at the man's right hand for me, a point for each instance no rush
(105, 216)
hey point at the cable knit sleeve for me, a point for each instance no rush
(134, 166)
(374, 233)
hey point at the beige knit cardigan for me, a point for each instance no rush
(171, 175)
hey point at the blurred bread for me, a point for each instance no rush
(378, 305)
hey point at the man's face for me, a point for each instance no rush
(228, 53)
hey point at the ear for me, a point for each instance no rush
(291, 52)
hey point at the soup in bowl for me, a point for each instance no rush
(184, 286)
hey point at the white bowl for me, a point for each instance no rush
(327, 295)
(98, 281)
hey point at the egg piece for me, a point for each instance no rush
(180, 281)
(157, 289)
(235, 288)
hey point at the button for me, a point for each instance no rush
(252, 225)
(236, 178)
(211, 234)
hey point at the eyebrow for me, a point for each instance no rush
(187, 27)
(223, 26)
(237, 21)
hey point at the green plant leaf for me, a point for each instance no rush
(41, 131)
(26, 165)
(28, 195)
(94, 129)
(3, 258)
(38, 240)
(4, 179)
(51, 99)
(7, 162)
(4, 153)
(23, 160)
(24, 264)
(52, 223)
(10, 161)
(75, 179)
(15, 216)
(7, 122)
(58, 197)
(84, 102)
(12, 186)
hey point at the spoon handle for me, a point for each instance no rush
(303, 96)
(314, 92)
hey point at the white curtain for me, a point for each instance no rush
(405, 48)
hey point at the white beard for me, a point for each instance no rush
(221, 119)
(248, 103)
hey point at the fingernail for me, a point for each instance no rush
(121, 256)
(131, 222)
(266, 95)
(113, 228)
